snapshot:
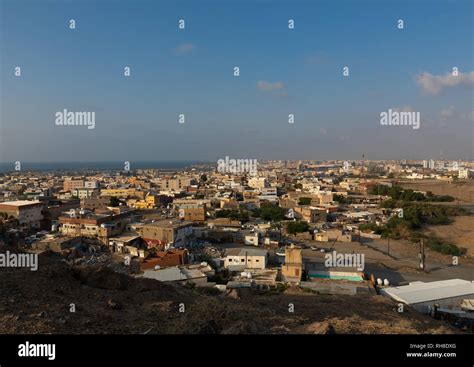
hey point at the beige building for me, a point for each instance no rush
(176, 184)
(97, 226)
(72, 184)
(310, 214)
(166, 232)
(123, 193)
(94, 203)
(258, 182)
(194, 214)
(334, 235)
(27, 212)
(190, 210)
(292, 269)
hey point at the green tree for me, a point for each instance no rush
(114, 202)
(304, 201)
(272, 212)
(199, 195)
(340, 199)
(297, 227)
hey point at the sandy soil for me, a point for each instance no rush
(463, 190)
(459, 233)
(108, 302)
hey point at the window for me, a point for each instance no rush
(242, 260)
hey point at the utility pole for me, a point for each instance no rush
(388, 245)
(279, 227)
(422, 254)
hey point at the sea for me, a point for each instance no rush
(96, 166)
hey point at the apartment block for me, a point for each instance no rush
(72, 184)
(167, 232)
(246, 258)
(176, 184)
(123, 193)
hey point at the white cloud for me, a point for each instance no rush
(269, 87)
(406, 108)
(434, 84)
(276, 88)
(468, 116)
(448, 117)
(185, 48)
(447, 113)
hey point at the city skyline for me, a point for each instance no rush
(237, 167)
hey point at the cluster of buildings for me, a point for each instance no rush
(168, 208)
(203, 226)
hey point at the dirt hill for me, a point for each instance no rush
(108, 302)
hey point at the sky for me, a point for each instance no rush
(191, 71)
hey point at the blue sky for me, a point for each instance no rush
(190, 71)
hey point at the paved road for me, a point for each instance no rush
(399, 268)
(435, 269)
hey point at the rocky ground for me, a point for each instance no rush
(108, 302)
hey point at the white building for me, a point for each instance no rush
(246, 258)
(269, 191)
(251, 239)
(85, 193)
(465, 173)
(422, 296)
(92, 184)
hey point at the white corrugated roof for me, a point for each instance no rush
(418, 292)
(175, 273)
(170, 274)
